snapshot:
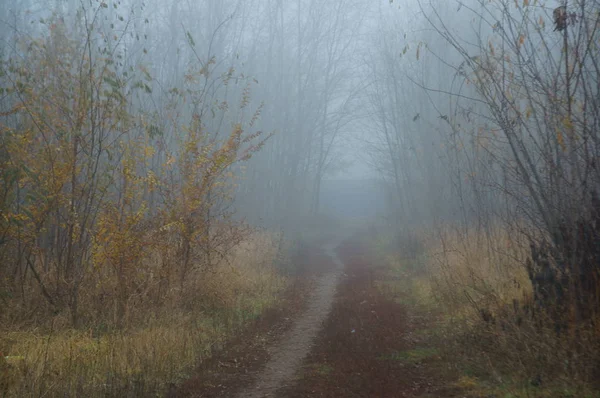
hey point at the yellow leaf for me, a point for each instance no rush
(170, 160)
(568, 123)
(466, 382)
(149, 151)
(560, 139)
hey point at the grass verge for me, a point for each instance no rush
(158, 351)
(468, 298)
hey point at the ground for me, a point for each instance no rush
(336, 335)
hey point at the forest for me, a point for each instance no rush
(180, 177)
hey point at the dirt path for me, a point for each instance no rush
(370, 345)
(266, 355)
(287, 356)
(336, 336)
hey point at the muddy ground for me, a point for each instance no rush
(335, 336)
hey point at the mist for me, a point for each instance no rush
(162, 161)
(344, 90)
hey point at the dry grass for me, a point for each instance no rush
(160, 348)
(247, 275)
(472, 271)
(474, 288)
(405, 279)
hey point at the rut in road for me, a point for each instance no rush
(286, 357)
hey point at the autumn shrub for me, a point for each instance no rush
(161, 344)
(121, 261)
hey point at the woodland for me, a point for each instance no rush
(163, 162)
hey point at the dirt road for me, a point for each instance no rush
(339, 337)
(369, 345)
(288, 355)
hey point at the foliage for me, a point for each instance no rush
(90, 187)
(160, 347)
(115, 220)
(524, 126)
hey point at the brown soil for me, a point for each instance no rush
(243, 359)
(335, 336)
(359, 350)
(287, 356)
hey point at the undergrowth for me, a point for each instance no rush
(161, 343)
(471, 298)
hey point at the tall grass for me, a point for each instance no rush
(474, 271)
(161, 344)
(475, 288)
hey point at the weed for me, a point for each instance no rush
(161, 345)
(475, 293)
(322, 369)
(416, 355)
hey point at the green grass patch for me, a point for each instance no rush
(416, 355)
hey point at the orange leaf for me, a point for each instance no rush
(561, 140)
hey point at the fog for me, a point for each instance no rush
(344, 89)
(162, 158)
(411, 94)
(336, 83)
